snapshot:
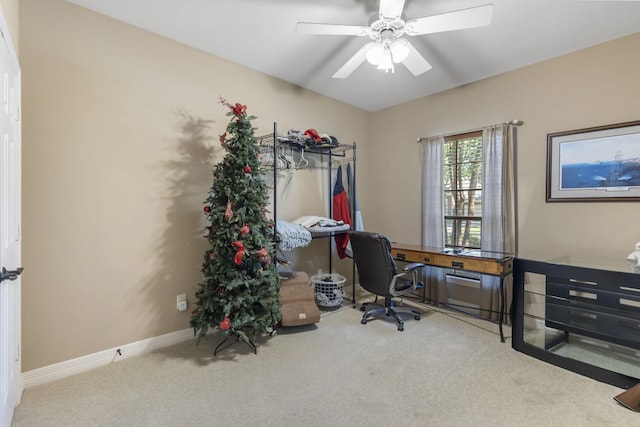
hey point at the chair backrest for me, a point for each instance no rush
(372, 255)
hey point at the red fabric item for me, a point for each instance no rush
(312, 133)
(341, 212)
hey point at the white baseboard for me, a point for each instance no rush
(85, 363)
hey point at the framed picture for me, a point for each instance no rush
(594, 164)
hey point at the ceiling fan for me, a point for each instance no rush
(388, 47)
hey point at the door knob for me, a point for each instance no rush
(10, 274)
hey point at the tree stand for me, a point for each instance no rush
(222, 345)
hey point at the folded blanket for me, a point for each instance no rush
(318, 230)
(292, 235)
(316, 221)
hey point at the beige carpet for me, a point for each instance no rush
(444, 370)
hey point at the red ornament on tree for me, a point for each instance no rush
(247, 169)
(263, 257)
(239, 247)
(244, 230)
(225, 324)
(262, 253)
(207, 209)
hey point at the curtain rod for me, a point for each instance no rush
(514, 122)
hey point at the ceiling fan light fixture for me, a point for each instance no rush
(386, 62)
(375, 54)
(399, 50)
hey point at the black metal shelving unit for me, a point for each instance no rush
(344, 151)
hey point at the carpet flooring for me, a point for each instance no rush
(444, 370)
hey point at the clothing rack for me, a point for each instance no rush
(271, 144)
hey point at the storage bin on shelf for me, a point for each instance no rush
(328, 289)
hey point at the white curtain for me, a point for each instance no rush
(498, 209)
(433, 213)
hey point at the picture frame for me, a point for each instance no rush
(594, 164)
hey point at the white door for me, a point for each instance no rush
(10, 241)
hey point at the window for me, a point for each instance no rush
(463, 190)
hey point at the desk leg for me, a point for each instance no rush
(502, 304)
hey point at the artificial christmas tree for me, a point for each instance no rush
(239, 288)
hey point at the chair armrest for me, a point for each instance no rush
(410, 267)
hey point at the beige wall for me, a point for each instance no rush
(116, 166)
(116, 170)
(596, 86)
(10, 11)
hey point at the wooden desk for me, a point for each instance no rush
(476, 261)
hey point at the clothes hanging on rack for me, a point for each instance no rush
(341, 212)
(352, 199)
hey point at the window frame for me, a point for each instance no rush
(456, 139)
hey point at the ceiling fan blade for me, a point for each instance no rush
(332, 29)
(466, 18)
(353, 63)
(416, 62)
(391, 9)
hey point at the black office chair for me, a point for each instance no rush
(379, 275)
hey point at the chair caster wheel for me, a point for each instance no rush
(363, 321)
(416, 317)
(363, 308)
(401, 328)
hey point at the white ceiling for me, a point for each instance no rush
(260, 34)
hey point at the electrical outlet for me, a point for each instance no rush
(181, 302)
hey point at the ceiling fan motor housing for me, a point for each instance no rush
(387, 29)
